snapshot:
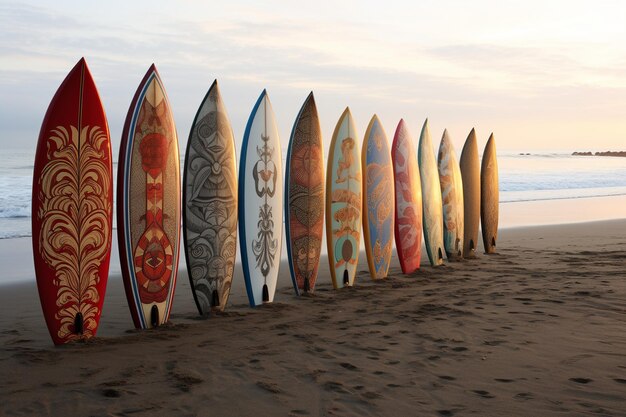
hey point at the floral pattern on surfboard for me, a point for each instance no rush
(261, 203)
(72, 204)
(451, 197)
(378, 193)
(343, 202)
(408, 199)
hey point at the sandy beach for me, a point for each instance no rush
(537, 329)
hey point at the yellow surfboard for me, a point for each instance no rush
(343, 202)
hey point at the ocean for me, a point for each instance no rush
(527, 177)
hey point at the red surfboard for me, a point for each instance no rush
(149, 204)
(72, 208)
(408, 220)
(304, 197)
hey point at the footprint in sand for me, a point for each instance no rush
(111, 393)
(348, 366)
(185, 382)
(581, 380)
(483, 394)
(269, 386)
(523, 396)
(335, 387)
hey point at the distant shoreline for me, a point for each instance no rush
(605, 153)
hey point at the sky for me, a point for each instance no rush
(539, 75)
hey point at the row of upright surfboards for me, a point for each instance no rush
(382, 192)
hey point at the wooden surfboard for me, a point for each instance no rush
(304, 197)
(489, 196)
(408, 200)
(378, 199)
(470, 173)
(261, 203)
(210, 204)
(148, 204)
(431, 199)
(72, 208)
(452, 198)
(343, 202)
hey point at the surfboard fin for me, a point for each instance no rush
(215, 299)
(471, 245)
(493, 242)
(346, 277)
(440, 254)
(266, 294)
(78, 323)
(154, 316)
(307, 285)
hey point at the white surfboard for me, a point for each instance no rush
(261, 203)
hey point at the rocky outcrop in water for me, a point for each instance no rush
(605, 153)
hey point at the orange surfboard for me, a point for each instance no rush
(72, 208)
(304, 197)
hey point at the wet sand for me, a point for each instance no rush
(538, 329)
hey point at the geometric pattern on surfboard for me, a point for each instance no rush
(261, 203)
(304, 197)
(408, 200)
(452, 198)
(210, 204)
(378, 192)
(72, 208)
(149, 204)
(343, 202)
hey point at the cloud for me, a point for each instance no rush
(375, 65)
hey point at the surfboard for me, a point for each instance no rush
(343, 202)
(261, 203)
(148, 204)
(452, 198)
(431, 199)
(378, 199)
(304, 197)
(72, 208)
(470, 173)
(489, 196)
(408, 200)
(210, 204)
